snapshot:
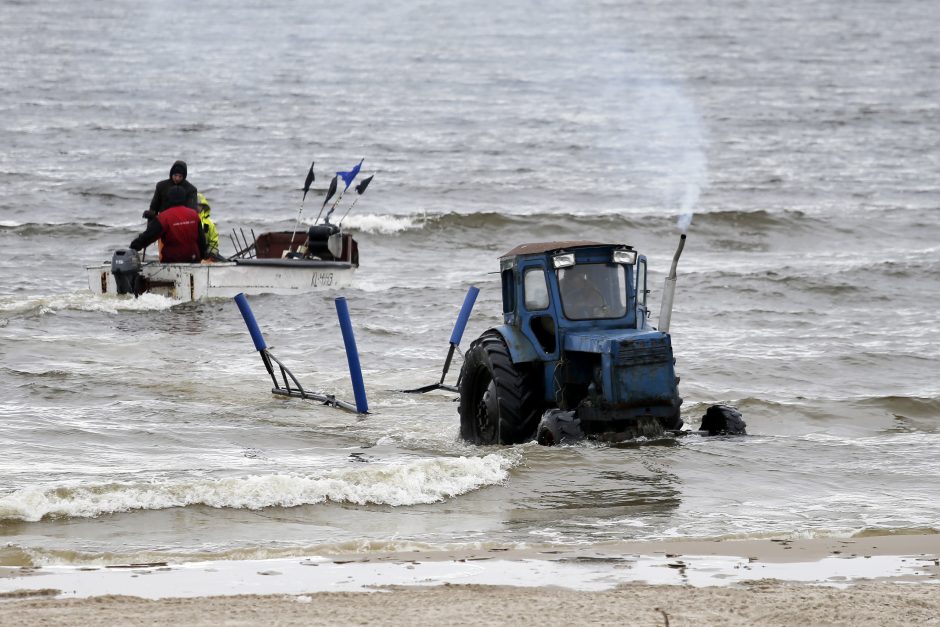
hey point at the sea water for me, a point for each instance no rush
(799, 138)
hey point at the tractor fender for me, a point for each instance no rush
(520, 347)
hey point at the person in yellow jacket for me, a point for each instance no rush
(208, 227)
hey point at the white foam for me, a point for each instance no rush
(85, 301)
(382, 224)
(46, 223)
(402, 483)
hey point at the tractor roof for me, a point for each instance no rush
(543, 247)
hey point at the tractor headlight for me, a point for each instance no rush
(563, 261)
(624, 256)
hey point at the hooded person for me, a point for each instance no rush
(160, 202)
(208, 227)
(179, 230)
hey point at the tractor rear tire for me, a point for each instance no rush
(500, 402)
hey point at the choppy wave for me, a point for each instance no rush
(759, 220)
(913, 414)
(732, 229)
(843, 275)
(408, 483)
(41, 374)
(26, 306)
(52, 229)
(912, 406)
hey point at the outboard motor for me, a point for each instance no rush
(125, 266)
(319, 238)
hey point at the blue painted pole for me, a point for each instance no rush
(249, 317)
(464, 315)
(459, 327)
(352, 356)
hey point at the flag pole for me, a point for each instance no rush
(348, 178)
(307, 183)
(360, 190)
(348, 210)
(326, 218)
(329, 194)
(290, 247)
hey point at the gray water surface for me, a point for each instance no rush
(800, 137)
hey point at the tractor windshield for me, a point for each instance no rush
(590, 291)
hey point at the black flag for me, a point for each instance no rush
(308, 181)
(330, 192)
(361, 187)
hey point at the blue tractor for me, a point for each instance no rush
(575, 356)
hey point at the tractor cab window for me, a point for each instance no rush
(536, 289)
(590, 291)
(509, 291)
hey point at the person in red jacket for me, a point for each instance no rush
(179, 230)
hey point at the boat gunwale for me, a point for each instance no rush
(264, 263)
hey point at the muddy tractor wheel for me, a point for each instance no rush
(558, 426)
(500, 402)
(673, 423)
(723, 420)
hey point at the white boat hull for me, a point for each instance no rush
(197, 281)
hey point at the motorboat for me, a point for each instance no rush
(280, 262)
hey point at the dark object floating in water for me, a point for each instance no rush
(723, 420)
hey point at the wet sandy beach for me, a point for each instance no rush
(877, 580)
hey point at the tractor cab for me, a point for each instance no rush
(574, 338)
(557, 289)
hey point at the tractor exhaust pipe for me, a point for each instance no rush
(669, 289)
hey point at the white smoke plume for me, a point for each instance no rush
(641, 117)
(690, 172)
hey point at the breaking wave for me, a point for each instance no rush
(408, 483)
(383, 224)
(78, 301)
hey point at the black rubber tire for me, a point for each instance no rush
(500, 402)
(672, 424)
(723, 420)
(558, 426)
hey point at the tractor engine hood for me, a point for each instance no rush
(636, 375)
(610, 342)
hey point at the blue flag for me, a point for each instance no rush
(349, 176)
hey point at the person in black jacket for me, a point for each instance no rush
(160, 200)
(179, 230)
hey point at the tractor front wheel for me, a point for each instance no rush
(500, 402)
